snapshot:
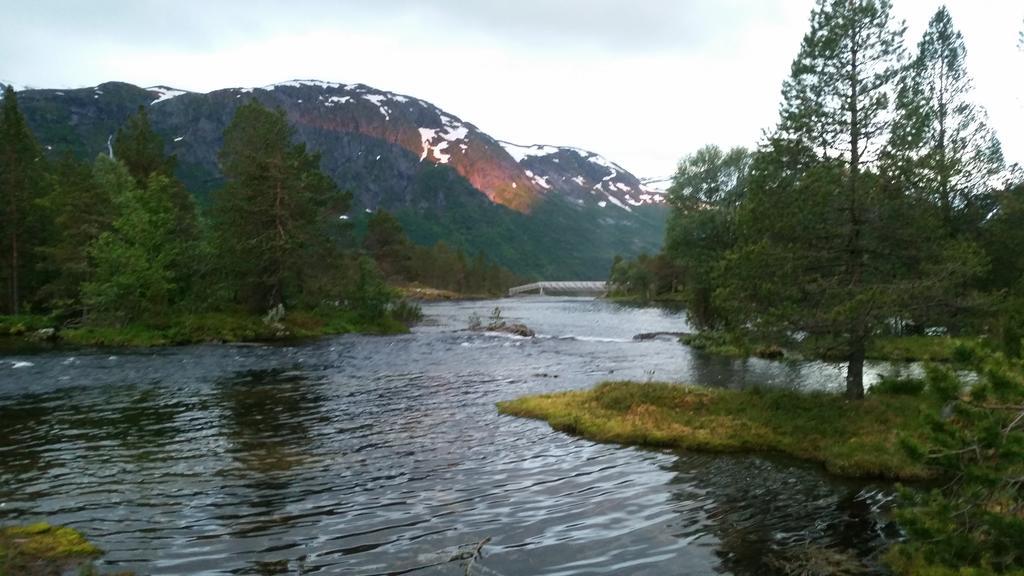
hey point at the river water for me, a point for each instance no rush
(383, 455)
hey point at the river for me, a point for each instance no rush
(382, 455)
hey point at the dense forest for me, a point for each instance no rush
(119, 251)
(880, 206)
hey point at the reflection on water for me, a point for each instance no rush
(364, 455)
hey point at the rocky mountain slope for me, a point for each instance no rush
(542, 210)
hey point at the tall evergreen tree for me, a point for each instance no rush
(386, 240)
(80, 210)
(826, 247)
(941, 145)
(141, 149)
(22, 183)
(270, 217)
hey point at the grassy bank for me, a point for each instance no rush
(44, 550)
(861, 439)
(205, 327)
(881, 348)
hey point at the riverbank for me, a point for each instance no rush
(21, 331)
(856, 439)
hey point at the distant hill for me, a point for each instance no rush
(546, 211)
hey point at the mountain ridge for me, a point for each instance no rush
(394, 152)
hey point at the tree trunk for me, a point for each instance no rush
(855, 371)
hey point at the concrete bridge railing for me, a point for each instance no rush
(542, 288)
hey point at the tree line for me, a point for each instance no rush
(880, 203)
(439, 266)
(121, 241)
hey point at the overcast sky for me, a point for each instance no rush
(641, 81)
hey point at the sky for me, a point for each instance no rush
(643, 82)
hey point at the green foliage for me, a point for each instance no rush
(826, 246)
(941, 146)
(81, 208)
(439, 266)
(142, 150)
(706, 191)
(975, 522)
(23, 226)
(138, 264)
(370, 295)
(894, 386)
(126, 259)
(915, 348)
(386, 241)
(272, 221)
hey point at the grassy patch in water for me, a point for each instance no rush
(850, 438)
(917, 348)
(43, 549)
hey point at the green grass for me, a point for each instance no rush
(731, 345)
(23, 324)
(916, 348)
(43, 549)
(850, 438)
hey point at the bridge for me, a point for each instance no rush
(562, 288)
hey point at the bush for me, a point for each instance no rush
(899, 386)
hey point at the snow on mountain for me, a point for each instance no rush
(164, 93)
(584, 176)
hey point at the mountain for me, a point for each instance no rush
(556, 212)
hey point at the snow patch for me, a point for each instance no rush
(521, 153)
(299, 83)
(616, 201)
(21, 364)
(602, 203)
(541, 181)
(379, 100)
(179, 138)
(452, 131)
(580, 180)
(336, 100)
(164, 93)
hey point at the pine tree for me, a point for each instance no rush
(827, 247)
(141, 149)
(135, 276)
(270, 218)
(387, 242)
(22, 184)
(941, 144)
(80, 210)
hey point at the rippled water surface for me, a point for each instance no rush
(380, 455)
